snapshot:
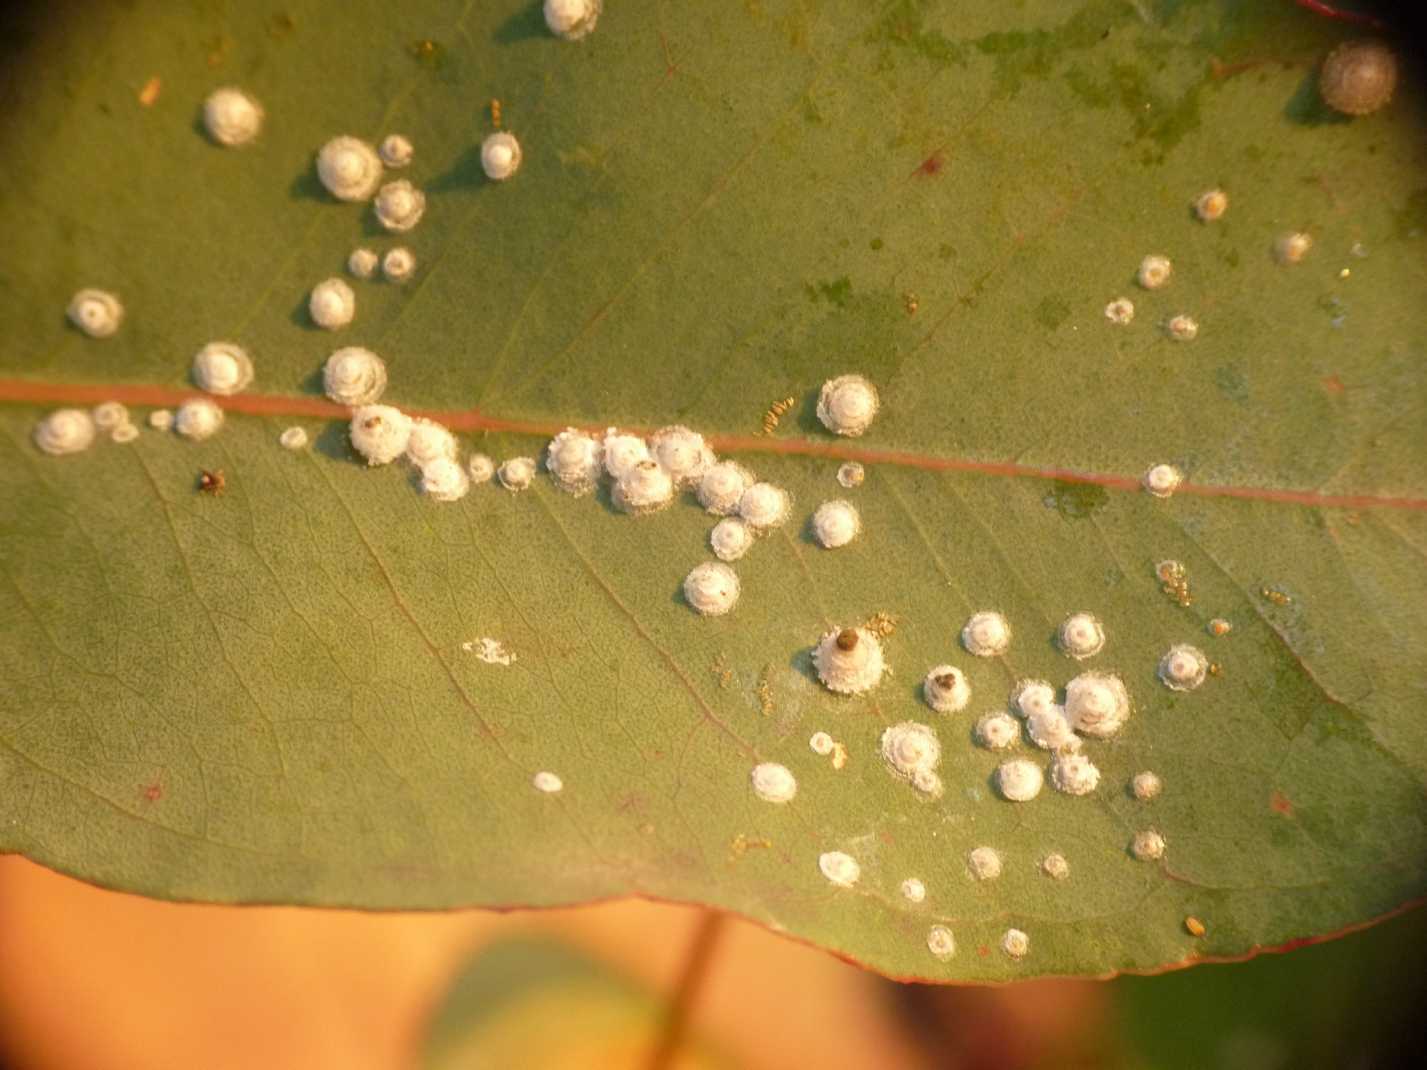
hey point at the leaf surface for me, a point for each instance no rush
(275, 695)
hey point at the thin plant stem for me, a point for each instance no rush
(688, 989)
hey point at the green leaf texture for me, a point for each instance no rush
(268, 695)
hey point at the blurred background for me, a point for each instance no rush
(97, 979)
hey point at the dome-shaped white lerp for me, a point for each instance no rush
(572, 19)
(349, 168)
(849, 660)
(399, 206)
(232, 117)
(711, 589)
(354, 376)
(198, 419)
(97, 313)
(836, 523)
(682, 453)
(721, 486)
(946, 689)
(764, 506)
(395, 150)
(847, 405)
(986, 634)
(222, 368)
(380, 433)
(1097, 704)
(573, 460)
(332, 304)
(64, 431)
(644, 488)
(730, 539)
(500, 155)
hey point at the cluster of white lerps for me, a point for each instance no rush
(1095, 705)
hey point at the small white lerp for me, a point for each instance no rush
(984, 863)
(572, 19)
(836, 523)
(362, 263)
(682, 453)
(1019, 780)
(1146, 786)
(946, 690)
(500, 155)
(1074, 774)
(711, 589)
(232, 117)
(97, 313)
(573, 461)
(1182, 328)
(1183, 667)
(444, 480)
(1162, 480)
(399, 264)
(395, 150)
(354, 376)
(1097, 704)
(764, 506)
(64, 431)
(517, 473)
(1147, 846)
(721, 487)
(849, 661)
(839, 868)
(1032, 695)
(622, 452)
(997, 731)
(1120, 311)
(481, 468)
(847, 405)
(332, 304)
(399, 206)
(1055, 866)
(349, 168)
(645, 488)
(730, 539)
(108, 415)
(429, 441)
(940, 942)
(1049, 728)
(773, 783)
(222, 368)
(986, 634)
(198, 419)
(910, 748)
(1015, 943)
(547, 782)
(1082, 635)
(1154, 272)
(379, 433)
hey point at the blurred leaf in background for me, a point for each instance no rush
(540, 1003)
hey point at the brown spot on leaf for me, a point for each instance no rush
(1279, 803)
(1333, 384)
(932, 166)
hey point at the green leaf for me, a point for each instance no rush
(524, 1002)
(267, 696)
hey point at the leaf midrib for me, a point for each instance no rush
(39, 392)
